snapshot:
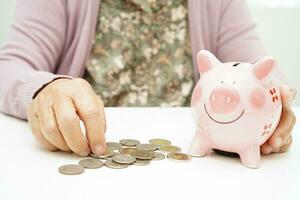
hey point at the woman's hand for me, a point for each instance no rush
(55, 113)
(281, 139)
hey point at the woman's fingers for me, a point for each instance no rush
(281, 140)
(62, 104)
(266, 148)
(69, 125)
(286, 147)
(49, 126)
(288, 94)
(92, 115)
(101, 105)
(35, 128)
(284, 128)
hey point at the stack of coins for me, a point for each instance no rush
(127, 152)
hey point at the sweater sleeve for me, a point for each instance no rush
(237, 36)
(29, 57)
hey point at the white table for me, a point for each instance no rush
(29, 172)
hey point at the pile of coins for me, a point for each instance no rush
(126, 153)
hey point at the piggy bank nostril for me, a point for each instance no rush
(228, 99)
(213, 98)
(224, 101)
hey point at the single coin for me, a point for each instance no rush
(127, 150)
(71, 169)
(159, 156)
(113, 145)
(108, 158)
(91, 163)
(160, 142)
(124, 159)
(106, 154)
(146, 147)
(178, 156)
(169, 148)
(129, 142)
(139, 162)
(143, 155)
(114, 165)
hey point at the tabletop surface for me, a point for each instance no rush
(29, 172)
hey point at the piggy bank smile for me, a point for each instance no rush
(223, 122)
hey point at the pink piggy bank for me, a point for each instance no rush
(237, 107)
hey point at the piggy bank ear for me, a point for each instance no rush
(206, 61)
(196, 94)
(264, 67)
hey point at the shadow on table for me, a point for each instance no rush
(234, 156)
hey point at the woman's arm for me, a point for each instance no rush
(237, 37)
(29, 57)
(27, 62)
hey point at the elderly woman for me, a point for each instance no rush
(64, 60)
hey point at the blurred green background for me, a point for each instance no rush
(278, 24)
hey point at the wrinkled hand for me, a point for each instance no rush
(281, 139)
(55, 113)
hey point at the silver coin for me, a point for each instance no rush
(91, 163)
(160, 142)
(139, 162)
(114, 165)
(146, 147)
(106, 154)
(71, 169)
(159, 156)
(109, 158)
(113, 145)
(143, 155)
(129, 142)
(169, 148)
(127, 150)
(178, 156)
(124, 159)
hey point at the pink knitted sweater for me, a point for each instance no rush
(50, 38)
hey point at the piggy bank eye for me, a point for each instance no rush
(222, 81)
(234, 82)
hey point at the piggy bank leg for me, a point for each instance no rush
(199, 146)
(250, 156)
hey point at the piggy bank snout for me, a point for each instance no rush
(224, 101)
